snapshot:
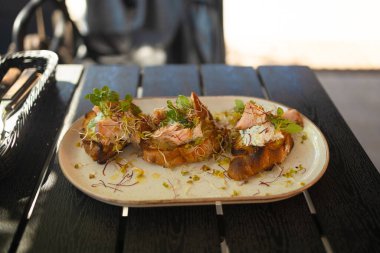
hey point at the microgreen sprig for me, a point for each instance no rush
(179, 111)
(104, 97)
(239, 106)
(284, 124)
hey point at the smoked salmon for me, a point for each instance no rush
(184, 133)
(263, 140)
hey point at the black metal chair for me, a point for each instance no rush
(125, 31)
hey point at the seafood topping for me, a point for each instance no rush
(111, 125)
(268, 135)
(184, 132)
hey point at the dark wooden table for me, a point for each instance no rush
(40, 211)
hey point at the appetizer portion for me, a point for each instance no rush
(261, 139)
(184, 132)
(111, 125)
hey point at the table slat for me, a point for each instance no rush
(65, 219)
(171, 229)
(16, 190)
(347, 196)
(170, 80)
(230, 80)
(260, 227)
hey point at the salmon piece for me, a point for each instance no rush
(182, 154)
(174, 145)
(109, 138)
(252, 115)
(176, 135)
(101, 150)
(293, 115)
(109, 128)
(253, 160)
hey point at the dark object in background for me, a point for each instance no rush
(132, 31)
(38, 67)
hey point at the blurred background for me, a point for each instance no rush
(336, 38)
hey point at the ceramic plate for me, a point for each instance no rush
(130, 181)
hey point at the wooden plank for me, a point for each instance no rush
(65, 219)
(260, 227)
(170, 80)
(230, 80)
(171, 229)
(346, 198)
(16, 190)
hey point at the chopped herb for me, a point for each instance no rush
(224, 161)
(293, 171)
(303, 138)
(91, 175)
(205, 168)
(196, 178)
(139, 172)
(166, 185)
(184, 172)
(77, 166)
(218, 173)
(235, 193)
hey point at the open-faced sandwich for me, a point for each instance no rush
(261, 139)
(111, 125)
(182, 133)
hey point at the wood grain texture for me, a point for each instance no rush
(230, 80)
(16, 190)
(347, 196)
(170, 80)
(66, 220)
(260, 227)
(171, 229)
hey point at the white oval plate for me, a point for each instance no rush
(189, 184)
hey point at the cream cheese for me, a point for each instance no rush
(93, 122)
(259, 135)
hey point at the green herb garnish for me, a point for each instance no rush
(179, 112)
(239, 106)
(284, 124)
(108, 100)
(102, 95)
